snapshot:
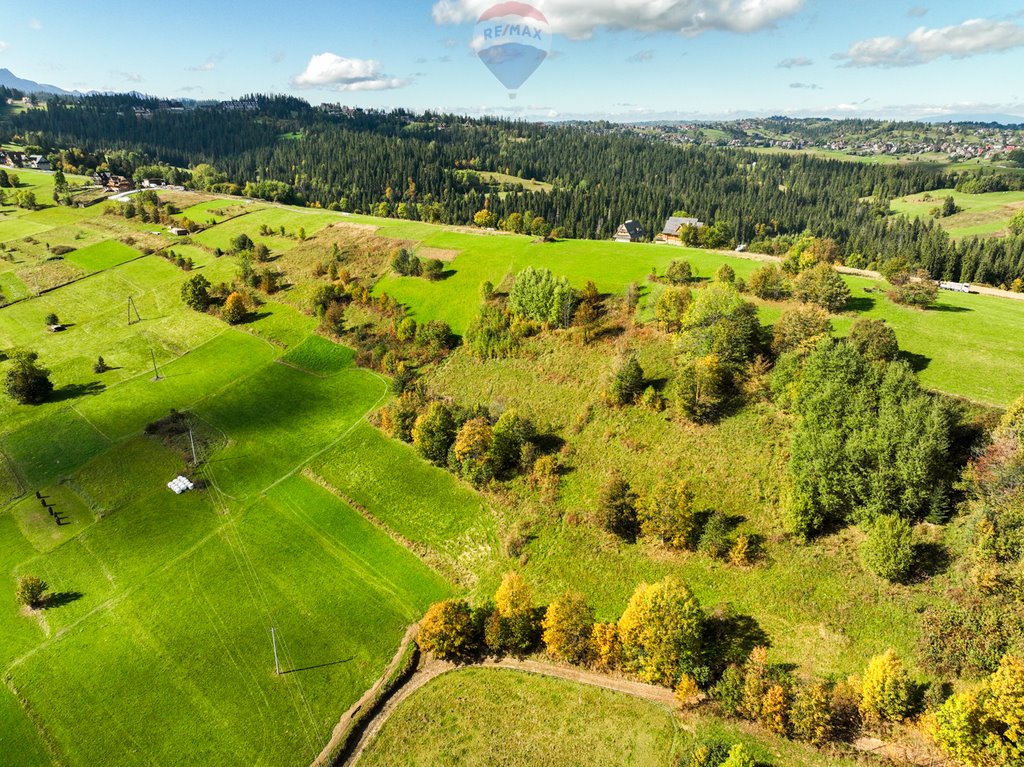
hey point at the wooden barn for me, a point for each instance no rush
(630, 231)
(670, 232)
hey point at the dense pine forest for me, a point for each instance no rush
(435, 167)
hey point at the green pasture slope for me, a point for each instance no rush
(466, 717)
(156, 648)
(967, 345)
(165, 602)
(984, 215)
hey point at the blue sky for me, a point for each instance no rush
(626, 59)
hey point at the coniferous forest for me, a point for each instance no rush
(435, 167)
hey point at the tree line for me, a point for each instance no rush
(414, 166)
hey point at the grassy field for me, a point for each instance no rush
(871, 159)
(196, 581)
(984, 215)
(479, 716)
(103, 255)
(449, 524)
(528, 184)
(316, 524)
(735, 468)
(967, 345)
(167, 601)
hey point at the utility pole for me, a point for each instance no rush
(156, 373)
(133, 308)
(273, 638)
(195, 461)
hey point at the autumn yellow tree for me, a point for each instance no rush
(886, 692)
(447, 629)
(984, 727)
(660, 631)
(607, 647)
(235, 309)
(569, 628)
(513, 626)
(473, 450)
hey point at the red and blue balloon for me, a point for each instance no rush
(512, 39)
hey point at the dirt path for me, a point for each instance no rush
(983, 290)
(340, 729)
(431, 668)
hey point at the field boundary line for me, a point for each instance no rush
(44, 735)
(351, 720)
(337, 441)
(113, 601)
(86, 418)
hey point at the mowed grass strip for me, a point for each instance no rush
(53, 445)
(102, 255)
(280, 418)
(20, 741)
(418, 501)
(218, 364)
(12, 288)
(291, 218)
(319, 356)
(337, 590)
(15, 228)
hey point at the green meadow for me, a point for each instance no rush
(967, 344)
(164, 602)
(490, 716)
(310, 521)
(983, 215)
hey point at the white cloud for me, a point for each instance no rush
(807, 86)
(35, 24)
(798, 61)
(641, 57)
(207, 66)
(328, 70)
(917, 11)
(131, 77)
(580, 18)
(4, 46)
(959, 41)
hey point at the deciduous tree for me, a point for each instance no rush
(26, 381)
(800, 328)
(888, 550)
(434, 432)
(887, 690)
(569, 628)
(235, 309)
(31, 591)
(447, 630)
(195, 292)
(660, 631)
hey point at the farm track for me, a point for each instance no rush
(983, 290)
(430, 668)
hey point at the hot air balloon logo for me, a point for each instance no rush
(512, 39)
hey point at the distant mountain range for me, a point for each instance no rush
(1002, 119)
(11, 80)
